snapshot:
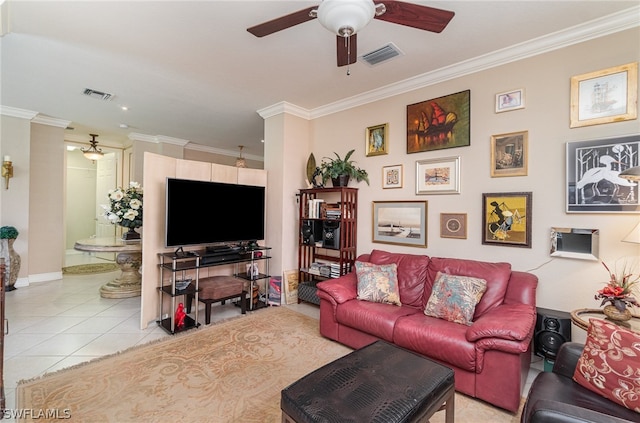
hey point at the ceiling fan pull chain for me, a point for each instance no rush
(348, 41)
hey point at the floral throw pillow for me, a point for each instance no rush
(610, 363)
(378, 283)
(454, 298)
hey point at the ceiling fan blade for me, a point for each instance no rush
(415, 15)
(283, 22)
(347, 50)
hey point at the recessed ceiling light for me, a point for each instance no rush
(124, 108)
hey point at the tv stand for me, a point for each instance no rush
(181, 265)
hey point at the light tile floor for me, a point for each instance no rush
(61, 323)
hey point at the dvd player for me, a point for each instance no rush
(217, 258)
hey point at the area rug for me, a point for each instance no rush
(87, 269)
(227, 372)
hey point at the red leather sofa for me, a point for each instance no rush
(490, 358)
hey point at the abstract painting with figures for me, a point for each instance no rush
(593, 181)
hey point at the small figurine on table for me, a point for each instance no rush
(180, 315)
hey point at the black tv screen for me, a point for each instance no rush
(200, 212)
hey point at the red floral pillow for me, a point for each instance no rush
(610, 363)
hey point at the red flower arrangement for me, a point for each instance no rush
(618, 291)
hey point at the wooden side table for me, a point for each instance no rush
(580, 318)
(129, 258)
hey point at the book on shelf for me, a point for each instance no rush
(314, 208)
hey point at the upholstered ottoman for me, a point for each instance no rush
(219, 289)
(377, 383)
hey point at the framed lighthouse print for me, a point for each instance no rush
(593, 181)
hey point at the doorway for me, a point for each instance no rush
(87, 183)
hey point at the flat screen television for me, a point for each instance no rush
(201, 213)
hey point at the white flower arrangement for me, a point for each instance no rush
(125, 206)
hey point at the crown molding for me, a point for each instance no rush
(223, 152)
(626, 19)
(284, 107)
(18, 113)
(47, 120)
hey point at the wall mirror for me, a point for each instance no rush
(575, 243)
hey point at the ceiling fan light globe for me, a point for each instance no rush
(345, 17)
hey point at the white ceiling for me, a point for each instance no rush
(190, 70)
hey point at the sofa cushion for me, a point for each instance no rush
(412, 274)
(376, 319)
(496, 274)
(378, 283)
(610, 363)
(437, 339)
(454, 298)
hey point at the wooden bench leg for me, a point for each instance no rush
(207, 311)
(243, 302)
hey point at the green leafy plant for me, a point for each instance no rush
(334, 168)
(8, 232)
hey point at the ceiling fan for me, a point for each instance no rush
(346, 17)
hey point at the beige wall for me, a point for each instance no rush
(565, 284)
(14, 138)
(46, 199)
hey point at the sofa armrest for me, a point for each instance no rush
(514, 322)
(567, 358)
(341, 289)
(548, 411)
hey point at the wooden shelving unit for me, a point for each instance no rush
(327, 223)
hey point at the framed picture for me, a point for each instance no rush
(509, 154)
(593, 184)
(453, 225)
(392, 176)
(400, 223)
(510, 100)
(377, 140)
(438, 176)
(439, 123)
(605, 96)
(506, 219)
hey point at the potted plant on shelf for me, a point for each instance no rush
(8, 235)
(341, 170)
(618, 293)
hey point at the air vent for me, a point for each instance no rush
(98, 95)
(382, 54)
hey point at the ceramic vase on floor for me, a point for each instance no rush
(12, 261)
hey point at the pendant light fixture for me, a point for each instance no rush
(93, 152)
(240, 162)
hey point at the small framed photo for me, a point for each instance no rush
(377, 140)
(509, 154)
(510, 100)
(438, 176)
(400, 223)
(392, 176)
(605, 96)
(506, 219)
(453, 225)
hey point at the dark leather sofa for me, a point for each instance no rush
(554, 397)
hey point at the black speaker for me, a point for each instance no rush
(331, 235)
(311, 232)
(553, 328)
